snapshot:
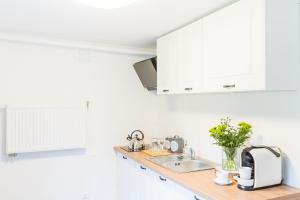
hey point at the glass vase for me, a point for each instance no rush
(229, 159)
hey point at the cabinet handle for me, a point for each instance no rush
(162, 179)
(165, 91)
(229, 86)
(143, 168)
(188, 89)
(124, 157)
(196, 198)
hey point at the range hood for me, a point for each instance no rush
(147, 72)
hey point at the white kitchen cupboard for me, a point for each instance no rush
(190, 61)
(127, 177)
(146, 189)
(250, 45)
(179, 60)
(184, 194)
(167, 75)
(136, 182)
(163, 188)
(166, 189)
(233, 56)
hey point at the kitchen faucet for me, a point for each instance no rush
(192, 153)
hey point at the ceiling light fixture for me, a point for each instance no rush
(107, 4)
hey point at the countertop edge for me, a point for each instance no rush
(145, 164)
(206, 196)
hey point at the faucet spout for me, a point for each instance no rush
(192, 154)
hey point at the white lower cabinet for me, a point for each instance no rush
(145, 184)
(163, 188)
(127, 177)
(184, 194)
(136, 182)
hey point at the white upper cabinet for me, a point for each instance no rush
(179, 61)
(251, 45)
(231, 47)
(166, 76)
(190, 57)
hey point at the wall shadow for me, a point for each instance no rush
(258, 104)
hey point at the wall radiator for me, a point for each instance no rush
(45, 128)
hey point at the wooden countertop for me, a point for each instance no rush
(201, 183)
(289, 197)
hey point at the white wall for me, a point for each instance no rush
(31, 74)
(40, 75)
(275, 117)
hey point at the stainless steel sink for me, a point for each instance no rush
(164, 159)
(181, 164)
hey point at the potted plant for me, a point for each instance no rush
(230, 138)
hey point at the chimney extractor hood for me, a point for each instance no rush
(147, 72)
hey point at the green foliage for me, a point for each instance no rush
(228, 136)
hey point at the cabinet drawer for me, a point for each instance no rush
(126, 159)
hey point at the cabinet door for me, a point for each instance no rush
(145, 180)
(229, 37)
(136, 182)
(167, 64)
(181, 193)
(190, 57)
(179, 58)
(162, 188)
(126, 178)
(165, 189)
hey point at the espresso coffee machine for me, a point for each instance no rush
(266, 164)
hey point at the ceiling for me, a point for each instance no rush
(136, 25)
